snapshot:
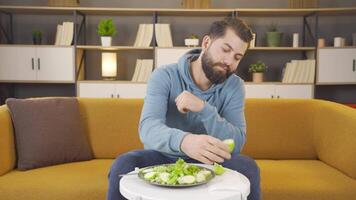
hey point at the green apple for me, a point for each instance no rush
(231, 144)
(218, 169)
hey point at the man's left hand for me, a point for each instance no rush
(187, 101)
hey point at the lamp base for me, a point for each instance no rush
(109, 78)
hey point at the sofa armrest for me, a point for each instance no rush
(7, 143)
(335, 136)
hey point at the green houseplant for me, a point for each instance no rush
(257, 69)
(106, 29)
(192, 41)
(36, 37)
(273, 36)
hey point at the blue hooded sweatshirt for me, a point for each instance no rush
(162, 127)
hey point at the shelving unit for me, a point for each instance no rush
(112, 48)
(79, 15)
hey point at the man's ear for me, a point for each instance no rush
(205, 42)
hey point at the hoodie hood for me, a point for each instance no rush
(185, 73)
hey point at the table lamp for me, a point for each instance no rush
(108, 65)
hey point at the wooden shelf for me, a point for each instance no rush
(37, 10)
(112, 48)
(335, 83)
(294, 12)
(345, 47)
(275, 83)
(177, 11)
(282, 48)
(110, 81)
(32, 45)
(254, 48)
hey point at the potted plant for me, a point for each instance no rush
(36, 37)
(192, 41)
(273, 37)
(257, 70)
(106, 29)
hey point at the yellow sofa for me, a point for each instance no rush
(306, 149)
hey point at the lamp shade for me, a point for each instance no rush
(108, 65)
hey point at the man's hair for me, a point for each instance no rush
(241, 29)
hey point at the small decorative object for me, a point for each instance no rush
(295, 39)
(108, 65)
(321, 42)
(106, 29)
(354, 39)
(192, 41)
(253, 41)
(273, 36)
(338, 42)
(36, 37)
(257, 71)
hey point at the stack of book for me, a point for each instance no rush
(143, 70)
(64, 34)
(145, 34)
(299, 71)
(163, 35)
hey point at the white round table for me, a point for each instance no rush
(229, 186)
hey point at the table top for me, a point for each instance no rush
(231, 185)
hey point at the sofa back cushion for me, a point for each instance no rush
(279, 129)
(111, 125)
(48, 132)
(335, 136)
(7, 143)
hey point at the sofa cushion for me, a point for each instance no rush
(111, 125)
(304, 179)
(48, 132)
(80, 180)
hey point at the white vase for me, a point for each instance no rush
(191, 42)
(106, 41)
(257, 77)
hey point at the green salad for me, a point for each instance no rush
(179, 173)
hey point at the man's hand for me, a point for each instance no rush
(186, 102)
(205, 148)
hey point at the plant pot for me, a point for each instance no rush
(257, 77)
(106, 41)
(191, 42)
(37, 40)
(273, 39)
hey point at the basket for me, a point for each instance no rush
(65, 3)
(303, 3)
(196, 4)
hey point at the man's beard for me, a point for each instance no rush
(215, 76)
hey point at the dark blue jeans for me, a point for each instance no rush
(143, 158)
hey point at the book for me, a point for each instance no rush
(137, 70)
(144, 35)
(58, 35)
(143, 70)
(163, 35)
(68, 30)
(64, 34)
(148, 63)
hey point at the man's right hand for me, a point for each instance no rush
(205, 148)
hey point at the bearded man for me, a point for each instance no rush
(192, 106)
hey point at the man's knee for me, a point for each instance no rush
(244, 164)
(125, 163)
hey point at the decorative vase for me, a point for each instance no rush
(257, 77)
(106, 41)
(37, 40)
(191, 42)
(273, 39)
